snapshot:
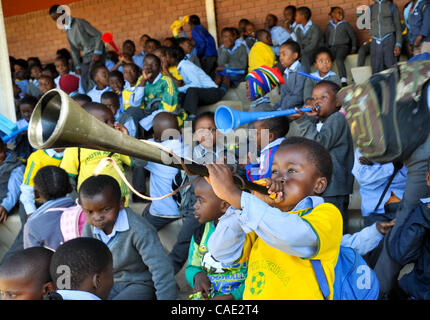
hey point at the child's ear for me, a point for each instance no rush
(320, 185)
(224, 206)
(122, 203)
(96, 281)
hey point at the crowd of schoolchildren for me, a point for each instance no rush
(235, 244)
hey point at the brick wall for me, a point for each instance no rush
(35, 34)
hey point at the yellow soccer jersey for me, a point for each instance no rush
(276, 275)
(35, 161)
(89, 159)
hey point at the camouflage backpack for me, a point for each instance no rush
(389, 115)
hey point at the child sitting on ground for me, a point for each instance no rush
(209, 278)
(80, 163)
(111, 100)
(261, 53)
(25, 275)
(99, 74)
(308, 34)
(141, 268)
(323, 61)
(232, 60)
(33, 84)
(117, 83)
(129, 48)
(131, 96)
(22, 147)
(261, 81)
(187, 45)
(205, 135)
(89, 262)
(199, 88)
(278, 34)
(11, 173)
(293, 229)
(332, 131)
(292, 89)
(62, 66)
(42, 229)
(341, 40)
(164, 211)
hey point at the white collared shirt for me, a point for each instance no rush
(121, 225)
(293, 68)
(305, 28)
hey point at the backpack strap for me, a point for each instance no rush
(321, 278)
(396, 169)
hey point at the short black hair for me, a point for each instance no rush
(273, 16)
(131, 42)
(206, 114)
(293, 45)
(305, 11)
(92, 106)
(318, 155)
(292, 8)
(96, 185)
(334, 8)
(135, 67)
(51, 68)
(32, 61)
(333, 86)
(63, 52)
(113, 56)
(31, 263)
(183, 40)
(95, 68)
(116, 74)
(154, 58)
(154, 41)
(83, 256)
(22, 63)
(194, 20)
(54, 9)
(82, 97)
(173, 40)
(30, 100)
(52, 182)
(111, 95)
(260, 33)
(176, 53)
(279, 126)
(320, 50)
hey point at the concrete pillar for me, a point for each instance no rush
(7, 105)
(211, 16)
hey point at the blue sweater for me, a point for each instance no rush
(419, 21)
(205, 43)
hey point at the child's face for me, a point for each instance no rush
(300, 18)
(22, 289)
(19, 71)
(161, 56)
(62, 68)
(101, 77)
(142, 42)
(205, 132)
(150, 47)
(270, 21)
(46, 84)
(323, 63)
(116, 84)
(208, 206)
(128, 48)
(110, 104)
(101, 210)
(324, 97)
(150, 66)
(26, 111)
(299, 176)
(186, 46)
(287, 57)
(130, 74)
(266, 38)
(105, 116)
(250, 30)
(288, 15)
(337, 14)
(36, 72)
(228, 39)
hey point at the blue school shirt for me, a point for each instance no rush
(128, 124)
(280, 35)
(161, 182)
(193, 76)
(96, 95)
(373, 180)
(138, 60)
(77, 295)
(22, 84)
(305, 28)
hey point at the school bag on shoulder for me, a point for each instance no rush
(72, 222)
(353, 278)
(388, 115)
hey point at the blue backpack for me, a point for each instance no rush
(354, 279)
